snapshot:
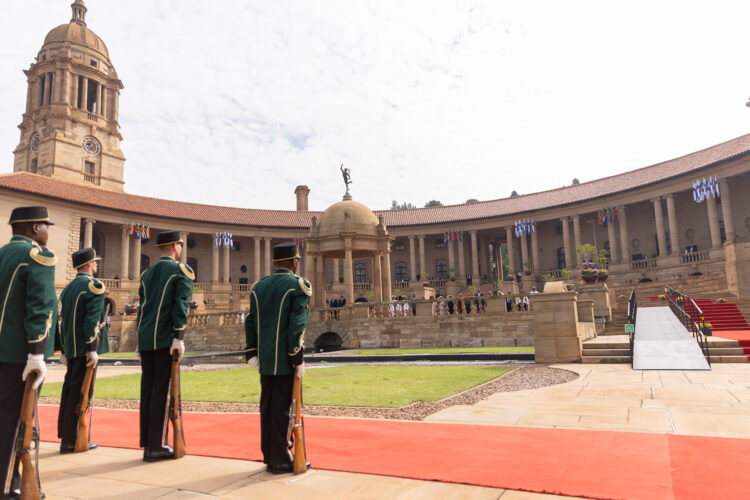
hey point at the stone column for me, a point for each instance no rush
(726, 210)
(29, 94)
(320, 279)
(525, 252)
(47, 87)
(125, 253)
(183, 254)
(661, 237)
(412, 261)
(269, 256)
(614, 255)
(535, 264)
(511, 251)
(566, 243)
(136, 265)
(474, 258)
(74, 92)
(388, 288)
(484, 256)
(104, 92)
(88, 232)
(377, 279)
(256, 260)
(451, 259)
(577, 237)
(58, 81)
(335, 265)
(348, 271)
(422, 263)
(85, 94)
(461, 262)
(98, 98)
(215, 264)
(624, 238)
(674, 232)
(713, 222)
(225, 265)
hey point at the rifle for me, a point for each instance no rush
(297, 428)
(175, 408)
(22, 449)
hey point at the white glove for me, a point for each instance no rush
(35, 363)
(92, 358)
(63, 360)
(254, 363)
(137, 354)
(179, 347)
(300, 370)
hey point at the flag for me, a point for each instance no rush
(148, 231)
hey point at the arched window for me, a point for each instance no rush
(561, 258)
(193, 263)
(400, 271)
(360, 274)
(441, 270)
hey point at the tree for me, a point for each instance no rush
(401, 206)
(433, 203)
(513, 193)
(472, 200)
(575, 181)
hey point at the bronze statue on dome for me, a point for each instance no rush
(347, 177)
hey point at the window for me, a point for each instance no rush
(398, 246)
(561, 258)
(441, 269)
(360, 273)
(93, 63)
(400, 271)
(32, 167)
(558, 229)
(439, 243)
(193, 263)
(89, 168)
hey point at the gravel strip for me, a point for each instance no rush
(523, 377)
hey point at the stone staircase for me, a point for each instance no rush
(616, 349)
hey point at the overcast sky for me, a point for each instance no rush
(235, 102)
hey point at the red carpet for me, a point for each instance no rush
(722, 316)
(594, 464)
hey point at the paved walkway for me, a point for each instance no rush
(663, 343)
(617, 398)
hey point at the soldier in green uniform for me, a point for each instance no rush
(275, 331)
(164, 293)
(81, 330)
(27, 319)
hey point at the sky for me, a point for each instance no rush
(236, 102)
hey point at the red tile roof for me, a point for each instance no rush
(143, 205)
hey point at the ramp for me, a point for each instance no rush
(663, 343)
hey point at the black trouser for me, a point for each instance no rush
(11, 396)
(155, 367)
(67, 418)
(275, 401)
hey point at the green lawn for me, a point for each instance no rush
(439, 350)
(131, 354)
(380, 386)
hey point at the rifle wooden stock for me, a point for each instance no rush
(175, 408)
(29, 486)
(300, 460)
(82, 434)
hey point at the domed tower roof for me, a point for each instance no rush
(348, 216)
(76, 32)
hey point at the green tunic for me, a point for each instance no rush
(29, 302)
(275, 325)
(82, 322)
(165, 291)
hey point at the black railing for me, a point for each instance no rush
(632, 311)
(690, 315)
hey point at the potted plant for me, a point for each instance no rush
(452, 274)
(603, 274)
(588, 274)
(705, 327)
(527, 269)
(510, 272)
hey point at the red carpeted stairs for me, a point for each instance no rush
(722, 316)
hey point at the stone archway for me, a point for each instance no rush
(328, 341)
(317, 331)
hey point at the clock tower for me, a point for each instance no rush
(70, 129)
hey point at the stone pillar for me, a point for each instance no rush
(535, 264)
(256, 259)
(135, 269)
(377, 279)
(302, 193)
(511, 251)
(125, 253)
(104, 104)
(451, 259)
(348, 271)
(225, 265)
(269, 256)
(614, 254)
(525, 253)
(98, 98)
(412, 261)
(726, 211)
(85, 94)
(387, 287)
(47, 87)
(58, 81)
(674, 232)
(624, 238)
(484, 257)
(215, 264)
(335, 265)
(183, 254)
(713, 222)
(474, 258)
(661, 237)
(320, 280)
(422, 263)
(74, 92)
(461, 262)
(577, 237)
(29, 94)
(566, 243)
(88, 232)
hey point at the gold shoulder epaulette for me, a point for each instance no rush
(187, 271)
(45, 260)
(305, 286)
(96, 287)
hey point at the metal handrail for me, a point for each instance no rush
(689, 315)
(632, 312)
